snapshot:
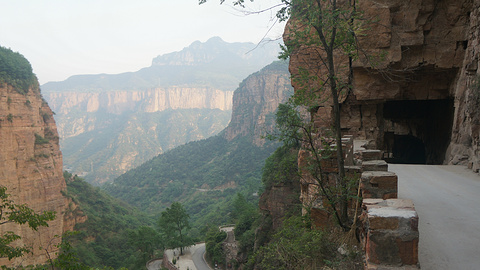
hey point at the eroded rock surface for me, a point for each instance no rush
(31, 169)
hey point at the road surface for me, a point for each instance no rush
(198, 258)
(155, 265)
(447, 199)
(193, 259)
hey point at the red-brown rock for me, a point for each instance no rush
(31, 169)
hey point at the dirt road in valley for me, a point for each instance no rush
(447, 199)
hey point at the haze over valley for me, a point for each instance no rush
(109, 124)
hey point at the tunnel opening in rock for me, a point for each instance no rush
(417, 131)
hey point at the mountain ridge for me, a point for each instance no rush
(222, 68)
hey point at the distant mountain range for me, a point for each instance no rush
(214, 63)
(109, 124)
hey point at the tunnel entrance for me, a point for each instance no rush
(417, 131)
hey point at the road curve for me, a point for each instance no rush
(198, 258)
(155, 264)
(447, 199)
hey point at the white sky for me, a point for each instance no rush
(61, 38)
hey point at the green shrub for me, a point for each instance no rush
(16, 71)
(40, 140)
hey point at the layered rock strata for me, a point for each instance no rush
(31, 169)
(256, 100)
(119, 102)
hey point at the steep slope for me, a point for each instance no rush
(103, 239)
(256, 101)
(30, 158)
(210, 171)
(185, 96)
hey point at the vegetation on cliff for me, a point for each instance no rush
(16, 71)
(322, 38)
(11, 212)
(203, 175)
(295, 243)
(105, 239)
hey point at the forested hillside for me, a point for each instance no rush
(116, 143)
(105, 238)
(204, 175)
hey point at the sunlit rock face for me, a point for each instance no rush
(256, 100)
(416, 96)
(141, 101)
(31, 169)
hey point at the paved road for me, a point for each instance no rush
(447, 199)
(191, 260)
(155, 265)
(230, 234)
(198, 256)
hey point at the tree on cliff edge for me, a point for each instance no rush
(10, 212)
(322, 37)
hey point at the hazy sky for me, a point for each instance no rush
(61, 38)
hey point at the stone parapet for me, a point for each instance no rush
(379, 184)
(370, 154)
(168, 264)
(375, 165)
(390, 234)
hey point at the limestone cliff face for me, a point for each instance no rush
(256, 100)
(31, 169)
(419, 95)
(119, 102)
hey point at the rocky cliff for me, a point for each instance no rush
(31, 169)
(256, 100)
(416, 94)
(464, 146)
(69, 104)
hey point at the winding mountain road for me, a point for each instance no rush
(193, 259)
(447, 199)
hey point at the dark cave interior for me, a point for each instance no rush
(418, 131)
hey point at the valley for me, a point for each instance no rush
(110, 123)
(346, 148)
